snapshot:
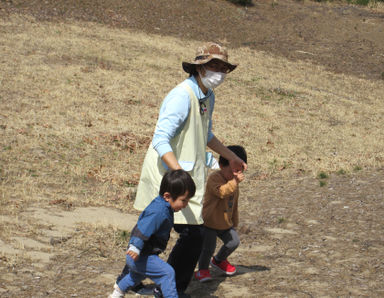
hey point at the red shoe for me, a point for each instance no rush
(203, 275)
(224, 266)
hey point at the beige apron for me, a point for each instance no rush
(189, 148)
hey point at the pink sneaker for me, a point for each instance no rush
(224, 266)
(203, 275)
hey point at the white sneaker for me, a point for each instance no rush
(117, 293)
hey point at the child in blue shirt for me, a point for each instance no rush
(151, 234)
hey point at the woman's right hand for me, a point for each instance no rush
(170, 160)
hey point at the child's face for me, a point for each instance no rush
(227, 172)
(179, 203)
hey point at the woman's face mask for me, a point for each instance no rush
(212, 79)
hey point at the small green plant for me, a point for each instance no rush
(121, 237)
(341, 172)
(32, 172)
(357, 168)
(124, 235)
(323, 175)
(281, 220)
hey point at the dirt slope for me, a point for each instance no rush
(345, 39)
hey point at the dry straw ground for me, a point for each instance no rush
(79, 103)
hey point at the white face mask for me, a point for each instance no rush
(212, 79)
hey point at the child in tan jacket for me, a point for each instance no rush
(221, 217)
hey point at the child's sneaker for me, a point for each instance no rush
(223, 266)
(157, 293)
(142, 290)
(203, 275)
(117, 293)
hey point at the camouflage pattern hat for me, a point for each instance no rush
(206, 53)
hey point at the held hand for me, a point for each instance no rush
(239, 177)
(133, 255)
(237, 165)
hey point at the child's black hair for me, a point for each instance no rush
(177, 182)
(238, 150)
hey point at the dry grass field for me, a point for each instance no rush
(78, 105)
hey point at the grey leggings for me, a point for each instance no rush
(231, 242)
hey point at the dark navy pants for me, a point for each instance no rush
(185, 254)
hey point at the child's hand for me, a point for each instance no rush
(237, 165)
(239, 176)
(133, 255)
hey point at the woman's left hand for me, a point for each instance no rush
(236, 163)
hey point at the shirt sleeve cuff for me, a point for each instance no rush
(161, 149)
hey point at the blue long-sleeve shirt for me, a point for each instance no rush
(153, 228)
(174, 112)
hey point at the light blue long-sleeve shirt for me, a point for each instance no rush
(174, 112)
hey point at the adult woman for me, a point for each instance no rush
(182, 133)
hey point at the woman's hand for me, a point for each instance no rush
(237, 165)
(133, 255)
(170, 160)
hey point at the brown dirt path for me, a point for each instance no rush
(297, 239)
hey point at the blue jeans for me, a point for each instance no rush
(189, 244)
(153, 267)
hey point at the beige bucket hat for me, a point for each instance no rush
(206, 53)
